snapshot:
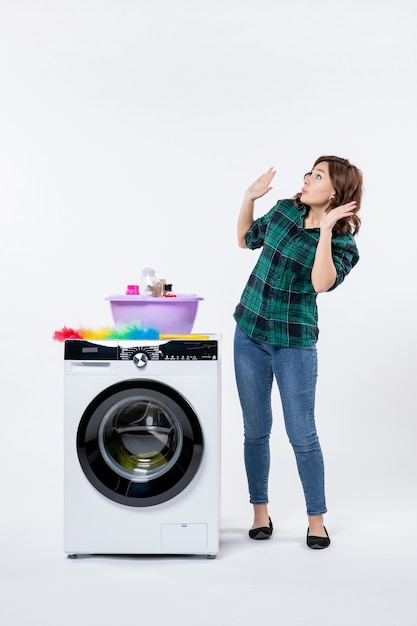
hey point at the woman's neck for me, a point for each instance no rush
(313, 217)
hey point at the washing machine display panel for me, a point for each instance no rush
(139, 441)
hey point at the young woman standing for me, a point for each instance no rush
(308, 247)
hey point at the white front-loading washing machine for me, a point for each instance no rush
(142, 446)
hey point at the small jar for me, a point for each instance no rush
(168, 293)
(132, 290)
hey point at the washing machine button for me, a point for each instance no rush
(140, 359)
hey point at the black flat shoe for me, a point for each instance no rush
(264, 532)
(318, 543)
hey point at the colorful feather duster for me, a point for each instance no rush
(133, 330)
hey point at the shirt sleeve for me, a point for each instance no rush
(345, 256)
(255, 236)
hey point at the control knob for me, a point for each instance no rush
(140, 359)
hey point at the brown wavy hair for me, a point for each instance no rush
(347, 181)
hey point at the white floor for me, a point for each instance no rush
(367, 577)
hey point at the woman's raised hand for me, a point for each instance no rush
(261, 185)
(330, 218)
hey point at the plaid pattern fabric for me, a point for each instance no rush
(278, 305)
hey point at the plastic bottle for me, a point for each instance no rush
(149, 284)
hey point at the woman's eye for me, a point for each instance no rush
(318, 176)
(307, 175)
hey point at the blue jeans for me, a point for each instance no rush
(295, 370)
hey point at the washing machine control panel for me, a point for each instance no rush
(170, 351)
(140, 354)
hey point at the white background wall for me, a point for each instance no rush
(128, 133)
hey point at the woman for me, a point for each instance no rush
(308, 247)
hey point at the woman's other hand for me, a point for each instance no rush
(261, 185)
(330, 218)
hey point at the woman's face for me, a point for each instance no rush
(317, 189)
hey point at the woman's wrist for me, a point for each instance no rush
(326, 232)
(248, 197)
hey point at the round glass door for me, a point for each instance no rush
(139, 443)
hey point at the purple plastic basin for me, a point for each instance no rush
(166, 315)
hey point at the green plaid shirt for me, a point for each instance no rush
(278, 305)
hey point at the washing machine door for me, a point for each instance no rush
(139, 442)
